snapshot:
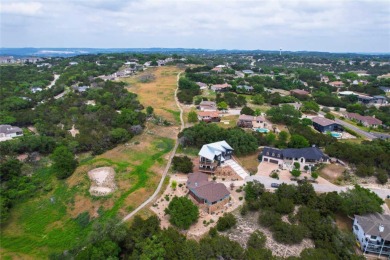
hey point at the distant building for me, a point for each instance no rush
(202, 85)
(248, 121)
(372, 232)
(367, 121)
(385, 89)
(375, 100)
(208, 195)
(220, 87)
(324, 125)
(337, 84)
(81, 89)
(8, 132)
(208, 106)
(209, 116)
(7, 60)
(299, 92)
(36, 89)
(213, 155)
(73, 63)
(248, 72)
(286, 158)
(245, 88)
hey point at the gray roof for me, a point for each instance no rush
(323, 121)
(246, 87)
(370, 224)
(8, 129)
(309, 153)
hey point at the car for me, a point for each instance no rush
(275, 185)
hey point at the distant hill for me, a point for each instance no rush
(69, 52)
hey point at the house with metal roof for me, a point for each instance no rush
(286, 158)
(372, 232)
(213, 155)
(209, 195)
(7, 132)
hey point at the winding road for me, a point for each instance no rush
(151, 198)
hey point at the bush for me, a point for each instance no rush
(274, 175)
(227, 221)
(297, 165)
(83, 219)
(182, 164)
(256, 240)
(269, 218)
(382, 176)
(288, 234)
(182, 212)
(285, 206)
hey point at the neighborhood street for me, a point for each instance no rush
(356, 129)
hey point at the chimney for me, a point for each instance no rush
(381, 228)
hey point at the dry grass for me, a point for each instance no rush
(249, 162)
(332, 172)
(158, 94)
(232, 121)
(343, 222)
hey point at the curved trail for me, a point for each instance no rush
(151, 198)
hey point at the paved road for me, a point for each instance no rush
(317, 187)
(151, 198)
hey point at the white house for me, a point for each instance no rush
(213, 155)
(8, 132)
(372, 232)
(286, 158)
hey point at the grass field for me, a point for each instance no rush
(48, 223)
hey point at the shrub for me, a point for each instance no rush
(285, 206)
(382, 176)
(256, 240)
(183, 212)
(288, 234)
(227, 221)
(83, 219)
(274, 175)
(244, 209)
(240, 198)
(297, 165)
(174, 184)
(269, 218)
(182, 164)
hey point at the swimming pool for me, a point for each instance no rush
(262, 130)
(335, 134)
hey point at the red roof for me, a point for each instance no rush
(208, 113)
(366, 119)
(299, 92)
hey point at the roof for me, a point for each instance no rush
(248, 71)
(336, 83)
(300, 92)
(208, 113)
(211, 191)
(9, 129)
(347, 93)
(208, 103)
(311, 153)
(245, 87)
(197, 179)
(370, 224)
(221, 86)
(323, 121)
(368, 119)
(379, 97)
(250, 118)
(201, 84)
(209, 151)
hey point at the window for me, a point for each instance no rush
(273, 154)
(356, 227)
(373, 237)
(267, 153)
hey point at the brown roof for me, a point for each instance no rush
(323, 121)
(208, 103)
(336, 83)
(367, 119)
(299, 92)
(250, 118)
(370, 224)
(197, 179)
(208, 113)
(210, 191)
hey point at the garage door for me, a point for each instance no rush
(273, 161)
(265, 159)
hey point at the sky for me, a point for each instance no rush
(312, 25)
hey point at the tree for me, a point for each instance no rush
(119, 135)
(381, 176)
(310, 106)
(258, 99)
(64, 163)
(227, 221)
(314, 175)
(257, 112)
(182, 212)
(283, 137)
(192, 117)
(253, 190)
(298, 141)
(296, 173)
(256, 240)
(285, 206)
(330, 116)
(222, 105)
(149, 111)
(360, 201)
(247, 111)
(286, 114)
(182, 164)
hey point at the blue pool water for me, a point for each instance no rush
(335, 134)
(262, 130)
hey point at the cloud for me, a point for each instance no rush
(21, 8)
(331, 25)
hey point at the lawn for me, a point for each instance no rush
(249, 162)
(228, 121)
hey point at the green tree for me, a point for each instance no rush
(253, 190)
(64, 162)
(119, 135)
(256, 240)
(298, 141)
(381, 176)
(258, 99)
(149, 111)
(222, 105)
(310, 107)
(227, 221)
(296, 173)
(283, 137)
(192, 117)
(182, 164)
(330, 116)
(247, 111)
(182, 212)
(286, 114)
(314, 175)
(360, 201)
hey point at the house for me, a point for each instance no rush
(245, 88)
(337, 84)
(385, 89)
(367, 121)
(8, 132)
(202, 85)
(323, 125)
(375, 100)
(220, 87)
(372, 232)
(299, 92)
(347, 93)
(213, 155)
(209, 116)
(81, 89)
(208, 106)
(325, 79)
(36, 89)
(7, 60)
(217, 69)
(251, 121)
(208, 195)
(286, 158)
(248, 72)
(72, 63)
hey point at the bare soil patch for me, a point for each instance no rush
(249, 162)
(332, 172)
(103, 181)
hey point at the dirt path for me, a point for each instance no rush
(151, 198)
